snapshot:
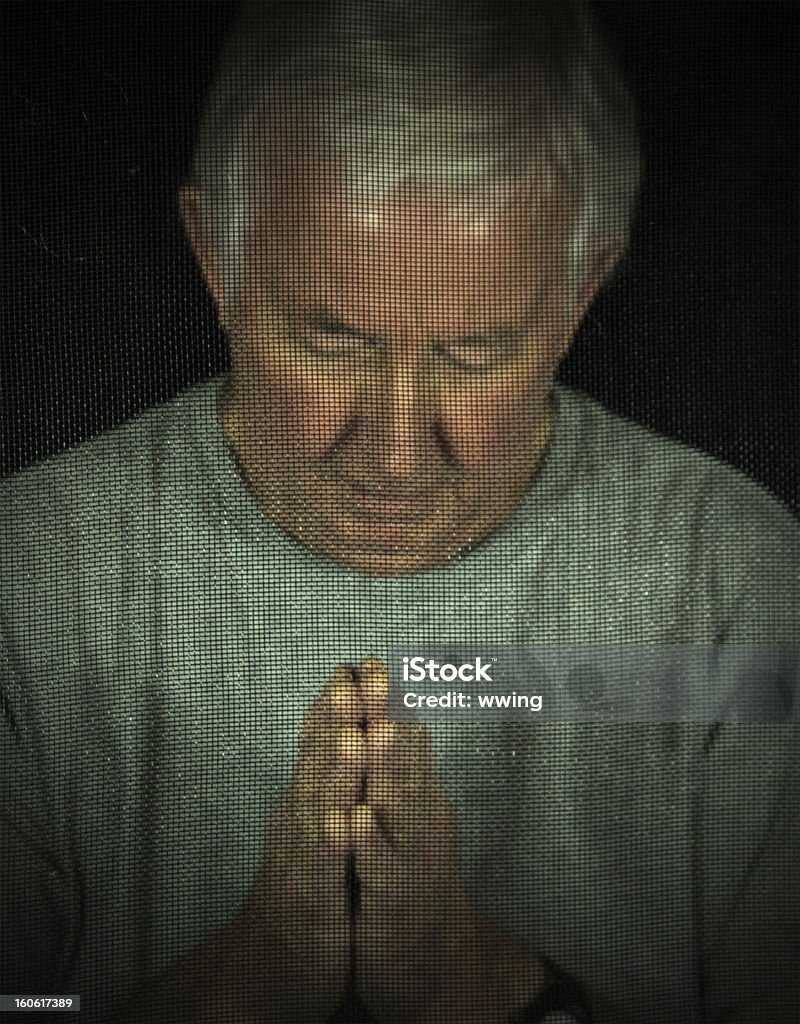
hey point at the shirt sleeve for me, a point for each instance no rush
(39, 891)
(747, 867)
(750, 869)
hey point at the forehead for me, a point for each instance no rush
(488, 244)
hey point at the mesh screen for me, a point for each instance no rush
(348, 348)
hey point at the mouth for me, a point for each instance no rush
(380, 506)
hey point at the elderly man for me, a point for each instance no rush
(403, 216)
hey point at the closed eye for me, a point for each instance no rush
(326, 336)
(328, 344)
(329, 338)
(476, 354)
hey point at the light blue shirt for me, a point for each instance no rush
(162, 642)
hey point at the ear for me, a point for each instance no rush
(605, 257)
(190, 203)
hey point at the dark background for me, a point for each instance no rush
(105, 314)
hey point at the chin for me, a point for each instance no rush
(386, 560)
(406, 561)
(388, 565)
(386, 548)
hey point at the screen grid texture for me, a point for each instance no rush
(298, 373)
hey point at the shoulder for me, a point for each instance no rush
(78, 511)
(89, 479)
(679, 518)
(623, 457)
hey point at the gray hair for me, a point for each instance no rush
(434, 91)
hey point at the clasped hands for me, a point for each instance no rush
(364, 794)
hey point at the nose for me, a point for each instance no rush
(405, 422)
(404, 416)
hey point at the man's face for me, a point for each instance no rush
(391, 367)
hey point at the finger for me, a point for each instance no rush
(364, 827)
(296, 820)
(400, 774)
(319, 716)
(346, 698)
(346, 780)
(381, 868)
(336, 829)
(311, 822)
(374, 686)
(343, 788)
(409, 759)
(379, 748)
(318, 742)
(406, 848)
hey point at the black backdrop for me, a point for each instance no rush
(105, 314)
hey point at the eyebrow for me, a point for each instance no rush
(321, 317)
